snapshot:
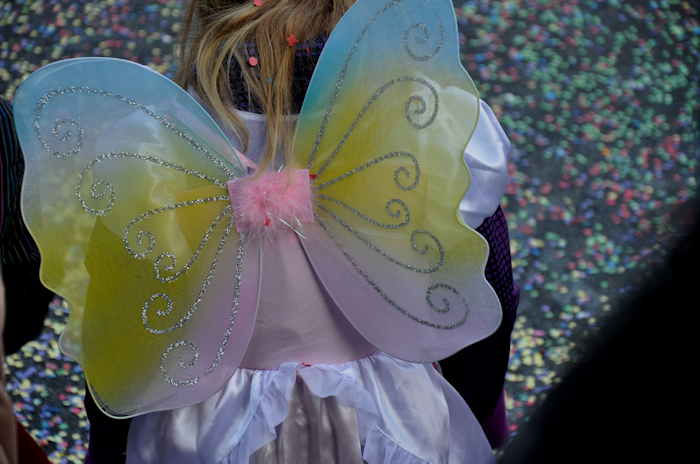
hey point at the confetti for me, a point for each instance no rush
(600, 100)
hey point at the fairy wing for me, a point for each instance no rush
(387, 116)
(125, 194)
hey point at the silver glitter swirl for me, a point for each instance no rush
(166, 262)
(340, 80)
(394, 208)
(417, 42)
(452, 294)
(145, 241)
(415, 106)
(235, 308)
(183, 363)
(202, 290)
(414, 245)
(101, 189)
(146, 308)
(67, 131)
(390, 301)
(404, 177)
(221, 350)
(419, 245)
(46, 99)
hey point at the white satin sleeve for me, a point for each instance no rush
(487, 157)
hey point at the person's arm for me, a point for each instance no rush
(4, 146)
(23, 291)
(8, 428)
(16, 245)
(478, 372)
(27, 300)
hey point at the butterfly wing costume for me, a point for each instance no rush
(155, 238)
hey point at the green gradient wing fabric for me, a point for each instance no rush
(125, 194)
(383, 129)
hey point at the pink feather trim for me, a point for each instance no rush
(271, 201)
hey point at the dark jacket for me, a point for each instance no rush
(27, 300)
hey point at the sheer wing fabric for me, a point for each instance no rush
(125, 194)
(383, 129)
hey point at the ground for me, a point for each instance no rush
(600, 99)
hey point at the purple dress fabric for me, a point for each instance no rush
(488, 358)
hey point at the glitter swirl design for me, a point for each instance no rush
(417, 42)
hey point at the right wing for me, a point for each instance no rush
(383, 129)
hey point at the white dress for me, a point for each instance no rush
(340, 401)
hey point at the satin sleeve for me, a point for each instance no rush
(487, 157)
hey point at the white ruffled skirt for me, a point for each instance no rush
(378, 410)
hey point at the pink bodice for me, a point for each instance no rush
(297, 321)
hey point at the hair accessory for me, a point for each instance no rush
(292, 40)
(253, 61)
(258, 2)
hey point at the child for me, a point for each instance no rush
(306, 377)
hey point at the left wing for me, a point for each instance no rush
(125, 194)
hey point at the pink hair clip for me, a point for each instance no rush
(292, 40)
(258, 2)
(253, 61)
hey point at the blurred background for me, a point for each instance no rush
(600, 98)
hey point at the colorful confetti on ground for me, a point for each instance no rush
(602, 101)
(47, 389)
(600, 98)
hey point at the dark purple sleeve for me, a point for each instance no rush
(16, 245)
(8, 144)
(108, 437)
(478, 372)
(27, 300)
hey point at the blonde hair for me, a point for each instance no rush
(215, 33)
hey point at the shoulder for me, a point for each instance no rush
(491, 128)
(487, 156)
